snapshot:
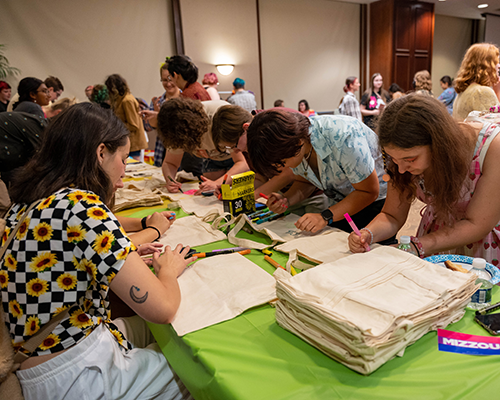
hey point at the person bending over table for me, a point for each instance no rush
(451, 167)
(67, 254)
(184, 125)
(229, 134)
(337, 154)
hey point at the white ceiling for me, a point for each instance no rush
(455, 8)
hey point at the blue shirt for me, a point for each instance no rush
(448, 97)
(347, 152)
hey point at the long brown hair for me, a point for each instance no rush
(117, 87)
(68, 155)
(478, 66)
(383, 93)
(416, 120)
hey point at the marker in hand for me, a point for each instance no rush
(355, 229)
(267, 198)
(173, 180)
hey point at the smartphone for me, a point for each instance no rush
(490, 322)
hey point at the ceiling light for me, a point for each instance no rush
(225, 69)
(482, 6)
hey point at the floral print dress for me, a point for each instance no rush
(488, 247)
(65, 255)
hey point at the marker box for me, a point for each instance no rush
(238, 198)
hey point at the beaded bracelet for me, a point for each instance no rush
(418, 245)
(156, 229)
(371, 235)
(143, 223)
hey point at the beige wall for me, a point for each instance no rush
(308, 49)
(81, 42)
(452, 37)
(223, 32)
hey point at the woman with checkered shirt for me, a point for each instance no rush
(67, 254)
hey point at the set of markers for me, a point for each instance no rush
(265, 215)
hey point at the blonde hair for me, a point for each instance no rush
(478, 66)
(62, 104)
(423, 80)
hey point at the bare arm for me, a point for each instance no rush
(133, 226)
(392, 217)
(482, 214)
(169, 167)
(154, 298)
(240, 166)
(365, 112)
(364, 194)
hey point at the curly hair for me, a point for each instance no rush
(117, 87)
(182, 122)
(210, 79)
(423, 80)
(478, 66)
(425, 121)
(274, 136)
(99, 94)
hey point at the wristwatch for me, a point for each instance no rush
(327, 216)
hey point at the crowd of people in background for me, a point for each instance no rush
(371, 161)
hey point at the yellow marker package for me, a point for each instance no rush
(238, 198)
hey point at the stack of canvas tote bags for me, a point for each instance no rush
(365, 309)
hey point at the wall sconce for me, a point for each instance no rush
(225, 69)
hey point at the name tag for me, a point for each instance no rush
(455, 342)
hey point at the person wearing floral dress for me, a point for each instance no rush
(69, 251)
(449, 166)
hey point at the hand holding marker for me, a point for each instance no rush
(355, 229)
(174, 181)
(267, 198)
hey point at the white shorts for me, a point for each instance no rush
(96, 368)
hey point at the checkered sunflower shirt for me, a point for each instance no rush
(64, 255)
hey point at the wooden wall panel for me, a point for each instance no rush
(381, 39)
(410, 38)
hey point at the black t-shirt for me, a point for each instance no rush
(20, 137)
(370, 101)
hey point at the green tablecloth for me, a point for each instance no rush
(251, 357)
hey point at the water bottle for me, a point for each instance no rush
(482, 297)
(404, 244)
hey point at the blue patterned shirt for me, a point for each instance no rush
(347, 152)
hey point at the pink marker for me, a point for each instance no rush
(355, 229)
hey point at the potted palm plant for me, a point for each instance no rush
(5, 68)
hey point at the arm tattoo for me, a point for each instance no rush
(136, 298)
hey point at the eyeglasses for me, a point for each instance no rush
(169, 79)
(46, 91)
